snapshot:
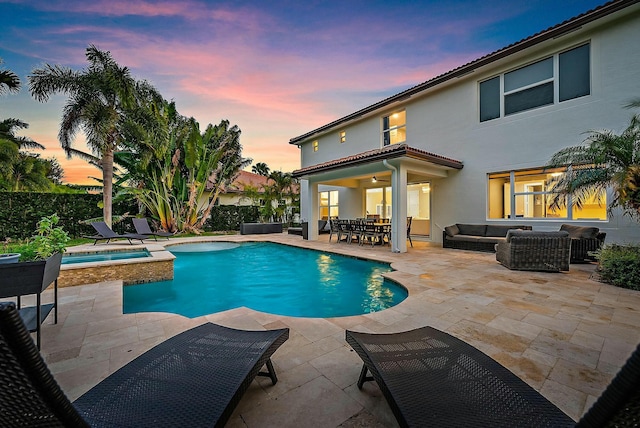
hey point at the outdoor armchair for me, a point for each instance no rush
(537, 251)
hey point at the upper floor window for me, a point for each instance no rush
(525, 194)
(343, 137)
(394, 128)
(559, 78)
(315, 146)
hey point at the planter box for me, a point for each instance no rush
(259, 228)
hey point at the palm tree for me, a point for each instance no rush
(260, 168)
(20, 170)
(99, 98)
(606, 160)
(9, 81)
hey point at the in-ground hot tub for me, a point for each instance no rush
(132, 266)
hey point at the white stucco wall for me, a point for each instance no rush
(446, 122)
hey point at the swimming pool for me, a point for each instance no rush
(101, 256)
(267, 277)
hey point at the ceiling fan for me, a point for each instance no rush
(374, 179)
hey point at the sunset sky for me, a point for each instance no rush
(277, 69)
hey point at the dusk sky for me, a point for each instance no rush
(277, 69)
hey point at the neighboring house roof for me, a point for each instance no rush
(388, 152)
(550, 33)
(244, 178)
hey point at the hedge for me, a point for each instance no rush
(20, 211)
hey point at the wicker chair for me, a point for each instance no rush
(193, 379)
(531, 250)
(430, 378)
(584, 240)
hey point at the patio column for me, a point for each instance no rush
(313, 209)
(398, 207)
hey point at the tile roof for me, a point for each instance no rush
(555, 31)
(388, 152)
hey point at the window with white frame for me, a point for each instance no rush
(343, 136)
(329, 204)
(315, 146)
(525, 194)
(555, 79)
(394, 128)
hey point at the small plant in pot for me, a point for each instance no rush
(48, 240)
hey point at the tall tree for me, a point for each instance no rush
(261, 168)
(99, 98)
(605, 160)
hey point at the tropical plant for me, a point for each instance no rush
(605, 160)
(176, 171)
(261, 168)
(99, 98)
(48, 240)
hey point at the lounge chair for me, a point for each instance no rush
(430, 378)
(142, 228)
(193, 379)
(106, 233)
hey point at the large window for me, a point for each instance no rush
(559, 78)
(328, 204)
(525, 194)
(394, 128)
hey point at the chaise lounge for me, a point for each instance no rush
(106, 233)
(430, 378)
(194, 379)
(142, 228)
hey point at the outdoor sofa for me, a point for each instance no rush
(194, 379)
(533, 250)
(476, 237)
(430, 378)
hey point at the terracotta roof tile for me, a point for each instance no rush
(388, 152)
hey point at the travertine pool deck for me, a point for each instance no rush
(564, 333)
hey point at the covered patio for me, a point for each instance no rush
(566, 334)
(384, 174)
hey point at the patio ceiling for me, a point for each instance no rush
(349, 171)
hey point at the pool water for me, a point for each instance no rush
(267, 277)
(102, 256)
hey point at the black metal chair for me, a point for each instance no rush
(193, 379)
(430, 378)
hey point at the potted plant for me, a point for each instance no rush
(40, 257)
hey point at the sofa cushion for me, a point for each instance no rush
(472, 229)
(451, 230)
(533, 233)
(492, 239)
(580, 232)
(466, 238)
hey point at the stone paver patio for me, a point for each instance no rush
(563, 333)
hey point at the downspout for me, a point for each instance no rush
(394, 201)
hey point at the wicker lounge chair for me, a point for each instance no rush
(106, 233)
(142, 228)
(430, 378)
(193, 379)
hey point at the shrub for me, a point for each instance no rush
(620, 265)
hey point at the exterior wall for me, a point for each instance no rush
(446, 121)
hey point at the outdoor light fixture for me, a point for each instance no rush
(374, 179)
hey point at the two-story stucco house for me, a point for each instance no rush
(468, 146)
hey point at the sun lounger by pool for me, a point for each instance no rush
(194, 379)
(142, 228)
(106, 233)
(430, 378)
